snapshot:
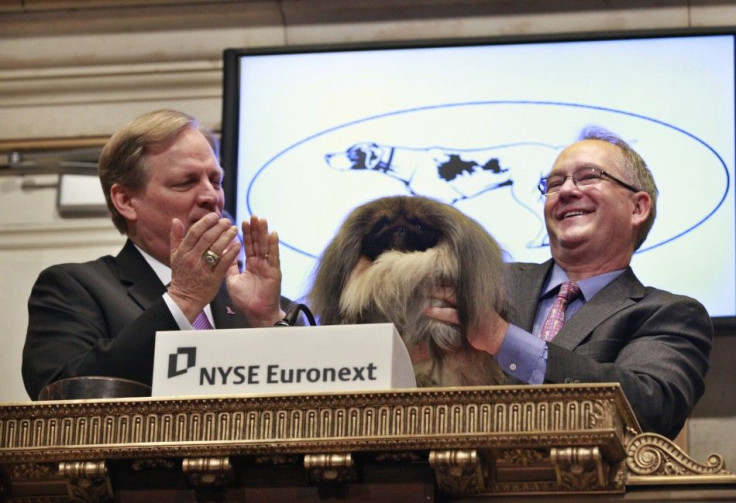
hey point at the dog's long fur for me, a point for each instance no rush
(386, 258)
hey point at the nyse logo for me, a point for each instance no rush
(181, 361)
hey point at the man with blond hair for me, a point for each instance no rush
(177, 270)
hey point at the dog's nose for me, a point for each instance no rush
(403, 240)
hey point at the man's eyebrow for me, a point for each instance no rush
(580, 166)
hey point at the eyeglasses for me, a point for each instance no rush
(583, 177)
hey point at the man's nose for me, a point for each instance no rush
(568, 185)
(209, 195)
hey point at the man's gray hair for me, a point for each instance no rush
(635, 172)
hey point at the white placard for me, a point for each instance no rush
(281, 360)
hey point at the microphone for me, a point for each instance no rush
(293, 313)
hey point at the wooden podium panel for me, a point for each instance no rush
(433, 444)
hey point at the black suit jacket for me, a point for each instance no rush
(101, 318)
(654, 343)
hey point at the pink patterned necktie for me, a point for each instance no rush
(556, 317)
(201, 322)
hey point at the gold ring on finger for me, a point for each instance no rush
(211, 258)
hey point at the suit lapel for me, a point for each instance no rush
(145, 288)
(527, 282)
(621, 293)
(143, 283)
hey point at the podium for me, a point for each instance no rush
(502, 443)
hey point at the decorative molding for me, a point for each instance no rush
(330, 468)
(654, 459)
(458, 432)
(61, 234)
(577, 439)
(111, 83)
(459, 472)
(45, 144)
(577, 468)
(450, 417)
(208, 472)
(87, 480)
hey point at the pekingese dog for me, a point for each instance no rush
(388, 256)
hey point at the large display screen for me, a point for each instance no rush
(309, 133)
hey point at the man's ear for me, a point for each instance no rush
(122, 200)
(642, 208)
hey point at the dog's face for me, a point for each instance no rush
(400, 226)
(387, 259)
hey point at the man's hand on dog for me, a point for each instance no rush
(486, 336)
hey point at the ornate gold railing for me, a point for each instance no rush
(569, 439)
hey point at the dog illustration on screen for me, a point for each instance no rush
(386, 259)
(450, 176)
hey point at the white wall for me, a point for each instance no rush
(78, 69)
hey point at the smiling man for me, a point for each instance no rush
(583, 316)
(177, 270)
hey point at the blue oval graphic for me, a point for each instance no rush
(447, 152)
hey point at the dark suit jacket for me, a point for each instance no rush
(101, 318)
(654, 343)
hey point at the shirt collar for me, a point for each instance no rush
(588, 286)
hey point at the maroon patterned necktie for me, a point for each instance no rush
(556, 317)
(201, 322)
